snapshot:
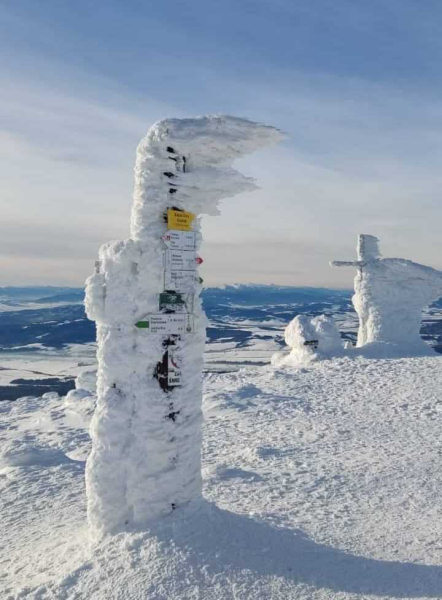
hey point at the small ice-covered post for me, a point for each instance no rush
(390, 294)
(144, 297)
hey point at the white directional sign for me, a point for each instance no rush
(180, 260)
(167, 323)
(173, 368)
(180, 281)
(179, 240)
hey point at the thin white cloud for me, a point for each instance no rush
(360, 158)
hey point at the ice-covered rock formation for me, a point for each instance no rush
(144, 297)
(85, 386)
(87, 380)
(310, 338)
(390, 294)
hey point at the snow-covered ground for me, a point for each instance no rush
(322, 482)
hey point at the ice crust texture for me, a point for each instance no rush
(390, 295)
(143, 464)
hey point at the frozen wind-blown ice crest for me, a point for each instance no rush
(145, 459)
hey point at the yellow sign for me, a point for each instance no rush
(179, 219)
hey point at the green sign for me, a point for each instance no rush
(171, 300)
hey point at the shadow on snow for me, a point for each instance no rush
(221, 540)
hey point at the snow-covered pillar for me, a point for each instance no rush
(144, 297)
(390, 294)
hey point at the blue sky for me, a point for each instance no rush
(356, 86)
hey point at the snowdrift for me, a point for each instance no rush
(319, 483)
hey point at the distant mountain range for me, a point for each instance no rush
(54, 316)
(40, 295)
(246, 326)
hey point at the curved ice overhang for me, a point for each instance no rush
(212, 139)
(209, 145)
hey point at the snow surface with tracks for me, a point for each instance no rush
(319, 482)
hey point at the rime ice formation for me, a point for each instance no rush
(390, 294)
(87, 380)
(145, 459)
(85, 386)
(309, 339)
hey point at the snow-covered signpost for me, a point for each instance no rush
(144, 297)
(390, 294)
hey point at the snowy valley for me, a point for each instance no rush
(46, 338)
(319, 482)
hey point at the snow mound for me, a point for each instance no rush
(77, 394)
(310, 339)
(87, 380)
(23, 453)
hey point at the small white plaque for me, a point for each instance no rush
(173, 368)
(181, 260)
(179, 240)
(180, 281)
(169, 323)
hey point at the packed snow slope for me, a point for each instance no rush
(322, 482)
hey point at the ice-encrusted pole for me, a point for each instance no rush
(146, 431)
(390, 294)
